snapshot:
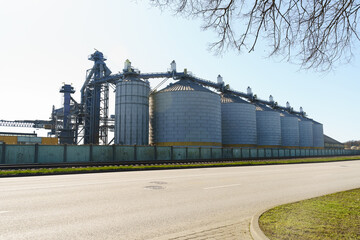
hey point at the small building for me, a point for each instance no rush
(26, 138)
(330, 143)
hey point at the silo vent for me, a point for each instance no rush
(220, 79)
(271, 98)
(173, 66)
(127, 65)
(249, 91)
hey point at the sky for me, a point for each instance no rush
(45, 43)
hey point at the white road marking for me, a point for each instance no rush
(4, 212)
(223, 186)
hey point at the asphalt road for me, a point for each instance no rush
(168, 204)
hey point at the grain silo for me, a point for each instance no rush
(268, 126)
(185, 114)
(238, 119)
(305, 133)
(289, 128)
(318, 134)
(132, 111)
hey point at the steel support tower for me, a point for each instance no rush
(94, 100)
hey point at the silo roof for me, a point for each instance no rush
(312, 120)
(304, 118)
(284, 113)
(185, 85)
(228, 98)
(262, 107)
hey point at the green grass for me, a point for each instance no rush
(334, 216)
(69, 170)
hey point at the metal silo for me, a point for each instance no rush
(289, 129)
(132, 111)
(238, 119)
(318, 135)
(305, 133)
(152, 119)
(186, 114)
(268, 126)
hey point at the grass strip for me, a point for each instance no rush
(70, 170)
(334, 216)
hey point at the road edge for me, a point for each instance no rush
(255, 231)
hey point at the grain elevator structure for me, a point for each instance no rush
(190, 111)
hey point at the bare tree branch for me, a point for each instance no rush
(313, 33)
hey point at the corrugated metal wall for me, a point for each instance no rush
(306, 133)
(289, 131)
(268, 126)
(186, 114)
(132, 112)
(238, 122)
(318, 134)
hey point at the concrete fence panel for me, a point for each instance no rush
(145, 153)
(254, 153)
(287, 153)
(44, 154)
(193, 153)
(51, 154)
(102, 153)
(216, 153)
(261, 153)
(237, 153)
(281, 153)
(275, 153)
(245, 153)
(268, 153)
(293, 152)
(2, 153)
(124, 153)
(179, 153)
(227, 153)
(163, 153)
(20, 154)
(76, 153)
(205, 153)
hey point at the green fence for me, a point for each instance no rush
(47, 154)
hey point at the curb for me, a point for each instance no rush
(255, 230)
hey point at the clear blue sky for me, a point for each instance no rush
(46, 43)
